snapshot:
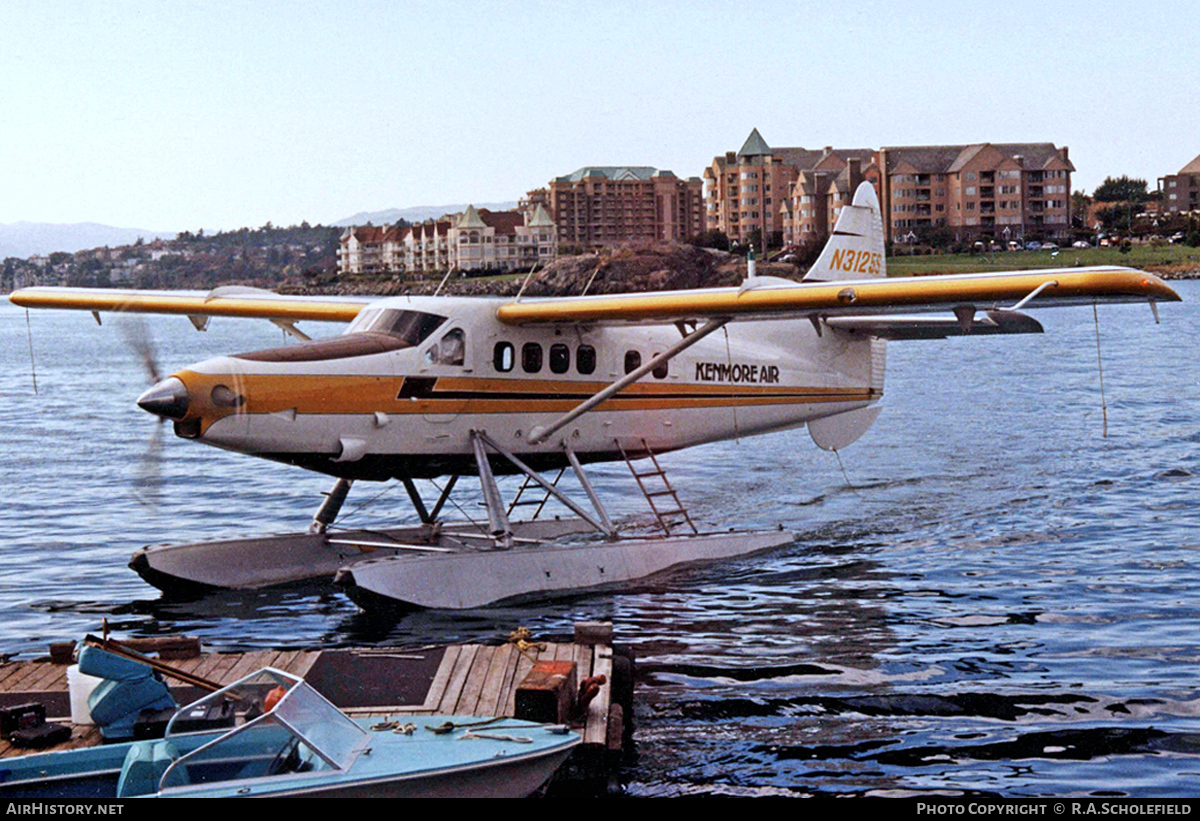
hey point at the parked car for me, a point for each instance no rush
(1049, 246)
(1081, 243)
(1033, 246)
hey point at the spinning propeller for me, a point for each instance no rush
(147, 483)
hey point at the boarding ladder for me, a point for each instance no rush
(668, 517)
(532, 486)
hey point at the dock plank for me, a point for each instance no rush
(208, 662)
(458, 678)
(44, 676)
(8, 669)
(596, 722)
(490, 693)
(473, 686)
(225, 662)
(509, 682)
(583, 654)
(437, 688)
(304, 662)
(16, 682)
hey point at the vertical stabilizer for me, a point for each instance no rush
(855, 249)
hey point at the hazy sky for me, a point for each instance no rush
(182, 115)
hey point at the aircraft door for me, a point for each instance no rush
(447, 363)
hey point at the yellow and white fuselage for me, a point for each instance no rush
(399, 394)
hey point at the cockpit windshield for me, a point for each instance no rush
(414, 327)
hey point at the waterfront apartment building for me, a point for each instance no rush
(475, 240)
(605, 205)
(754, 191)
(1181, 192)
(369, 249)
(999, 191)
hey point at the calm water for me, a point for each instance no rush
(999, 601)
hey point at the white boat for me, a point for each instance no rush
(288, 740)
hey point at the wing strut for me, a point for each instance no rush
(541, 433)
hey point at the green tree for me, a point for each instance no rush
(1119, 215)
(1121, 189)
(1080, 204)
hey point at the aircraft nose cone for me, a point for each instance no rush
(168, 399)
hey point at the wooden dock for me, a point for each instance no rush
(469, 679)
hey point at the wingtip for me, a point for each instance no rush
(1158, 290)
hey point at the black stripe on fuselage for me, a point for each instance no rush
(426, 388)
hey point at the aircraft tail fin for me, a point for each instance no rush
(855, 248)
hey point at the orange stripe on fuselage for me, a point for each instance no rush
(324, 394)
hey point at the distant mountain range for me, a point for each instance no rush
(24, 239)
(418, 213)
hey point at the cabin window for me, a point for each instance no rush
(414, 327)
(450, 350)
(503, 356)
(560, 358)
(531, 357)
(585, 359)
(633, 361)
(660, 370)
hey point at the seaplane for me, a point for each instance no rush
(443, 387)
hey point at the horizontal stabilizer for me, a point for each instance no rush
(842, 429)
(936, 327)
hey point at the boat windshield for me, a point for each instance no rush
(414, 327)
(288, 727)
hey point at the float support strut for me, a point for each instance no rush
(330, 508)
(498, 524)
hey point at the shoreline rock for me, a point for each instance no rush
(629, 268)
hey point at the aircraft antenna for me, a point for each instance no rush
(525, 282)
(1100, 368)
(592, 278)
(32, 366)
(443, 282)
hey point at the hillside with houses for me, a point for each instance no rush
(267, 257)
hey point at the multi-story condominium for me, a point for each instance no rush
(603, 205)
(817, 196)
(425, 248)
(1181, 192)
(754, 190)
(502, 240)
(471, 241)
(1008, 191)
(369, 249)
(1003, 191)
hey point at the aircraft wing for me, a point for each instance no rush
(780, 299)
(227, 301)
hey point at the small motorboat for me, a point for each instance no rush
(286, 739)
